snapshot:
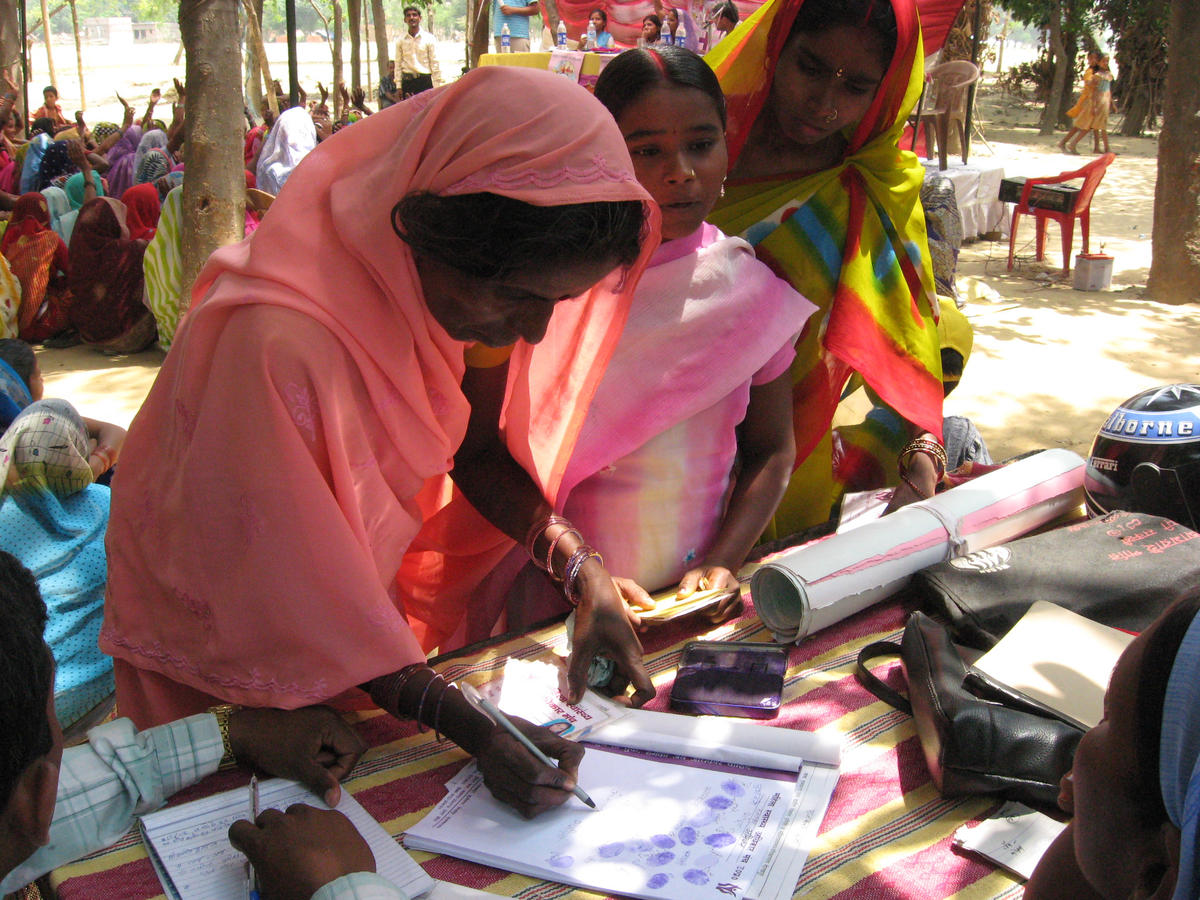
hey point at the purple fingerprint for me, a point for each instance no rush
(719, 802)
(661, 859)
(733, 788)
(720, 839)
(608, 851)
(687, 835)
(696, 876)
(658, 880)
(562, 862)
(663, 841)
(639, 846)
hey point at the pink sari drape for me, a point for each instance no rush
(268, 488)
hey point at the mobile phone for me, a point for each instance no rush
(730, 678)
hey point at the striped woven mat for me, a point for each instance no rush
(887, 833)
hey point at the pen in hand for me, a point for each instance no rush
(504, 722)
(251, 875)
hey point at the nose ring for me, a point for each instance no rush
(832, 117)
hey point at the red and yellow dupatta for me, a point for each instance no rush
(851, 238)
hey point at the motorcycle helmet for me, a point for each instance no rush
(1146, 457)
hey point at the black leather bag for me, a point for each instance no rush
(1122, 569)
(978, 735)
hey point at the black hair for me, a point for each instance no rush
(634, 72)
(413, 8)
(20, 356)
(49, 87)
(875, 15)
(44, 125)
(603, 15)
(25, 674)
(1158, 659)
(491, 236)
(652, 18)
(729, 10)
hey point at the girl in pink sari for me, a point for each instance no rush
(279, 468)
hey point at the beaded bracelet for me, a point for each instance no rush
(537, 530)
(929, 448)
(916, 490)
(571, 572)
(554, 546)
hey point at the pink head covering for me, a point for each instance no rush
(268, 486)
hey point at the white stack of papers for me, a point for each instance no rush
(189, 844)
(662, 829)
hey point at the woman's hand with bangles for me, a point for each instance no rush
(918, 481)
(516, 777)
(604, 623)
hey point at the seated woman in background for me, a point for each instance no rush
(327, 352)
(820, 189)
(1134, 790)
(599, 20)
(291, 138)
(53, 518)
(38, 258)
(107, 282)
(163, 268)
(652, 481)
(142, 210)
(651, 30)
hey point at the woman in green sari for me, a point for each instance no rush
(818, 93)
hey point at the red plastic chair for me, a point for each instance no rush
(1091, 174)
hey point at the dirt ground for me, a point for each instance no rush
(1050, 363)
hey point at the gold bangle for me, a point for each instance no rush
(929, 448)
(222, 714)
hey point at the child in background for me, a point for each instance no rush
(50, 108)
(1102, 103)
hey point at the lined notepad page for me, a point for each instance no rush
(189, 844)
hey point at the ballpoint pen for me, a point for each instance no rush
(251, 876)
(504, 722)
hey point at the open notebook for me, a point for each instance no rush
(189, 844)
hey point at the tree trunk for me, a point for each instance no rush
(337, 59)
(10, 40)
(253, 12)
(1175, 267)
(354, 13)
(214, 191)
(78, 55)
(478, 37)
(46, 37)
(381, 36)
(1062, 67)
(549, 11)
(256, 57)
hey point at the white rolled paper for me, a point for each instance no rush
(808, 588)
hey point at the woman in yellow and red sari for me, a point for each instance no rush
(818, 93)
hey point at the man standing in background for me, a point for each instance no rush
(416, 57)
(517, 19)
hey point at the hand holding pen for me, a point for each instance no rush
(534, 766)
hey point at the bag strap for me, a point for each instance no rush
(872, 682)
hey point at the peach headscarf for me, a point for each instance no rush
(268, 488)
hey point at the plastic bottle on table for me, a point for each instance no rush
(562, 35)
(591, 36)
(505, 39)
(664, 35)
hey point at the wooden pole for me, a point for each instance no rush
(46, 38)
(260, 51)
(78, 54)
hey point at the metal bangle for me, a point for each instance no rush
(554, 546)
(424, 694)
(437, 711)
(929, 448)
(392, 689)
(223, 714)
(571, 573)
(537, 530)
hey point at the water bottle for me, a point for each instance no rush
(562, 35)
(505, 39)
(680, 37)
(664, 34)
(591, 36)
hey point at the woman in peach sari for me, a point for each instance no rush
(313, 398)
